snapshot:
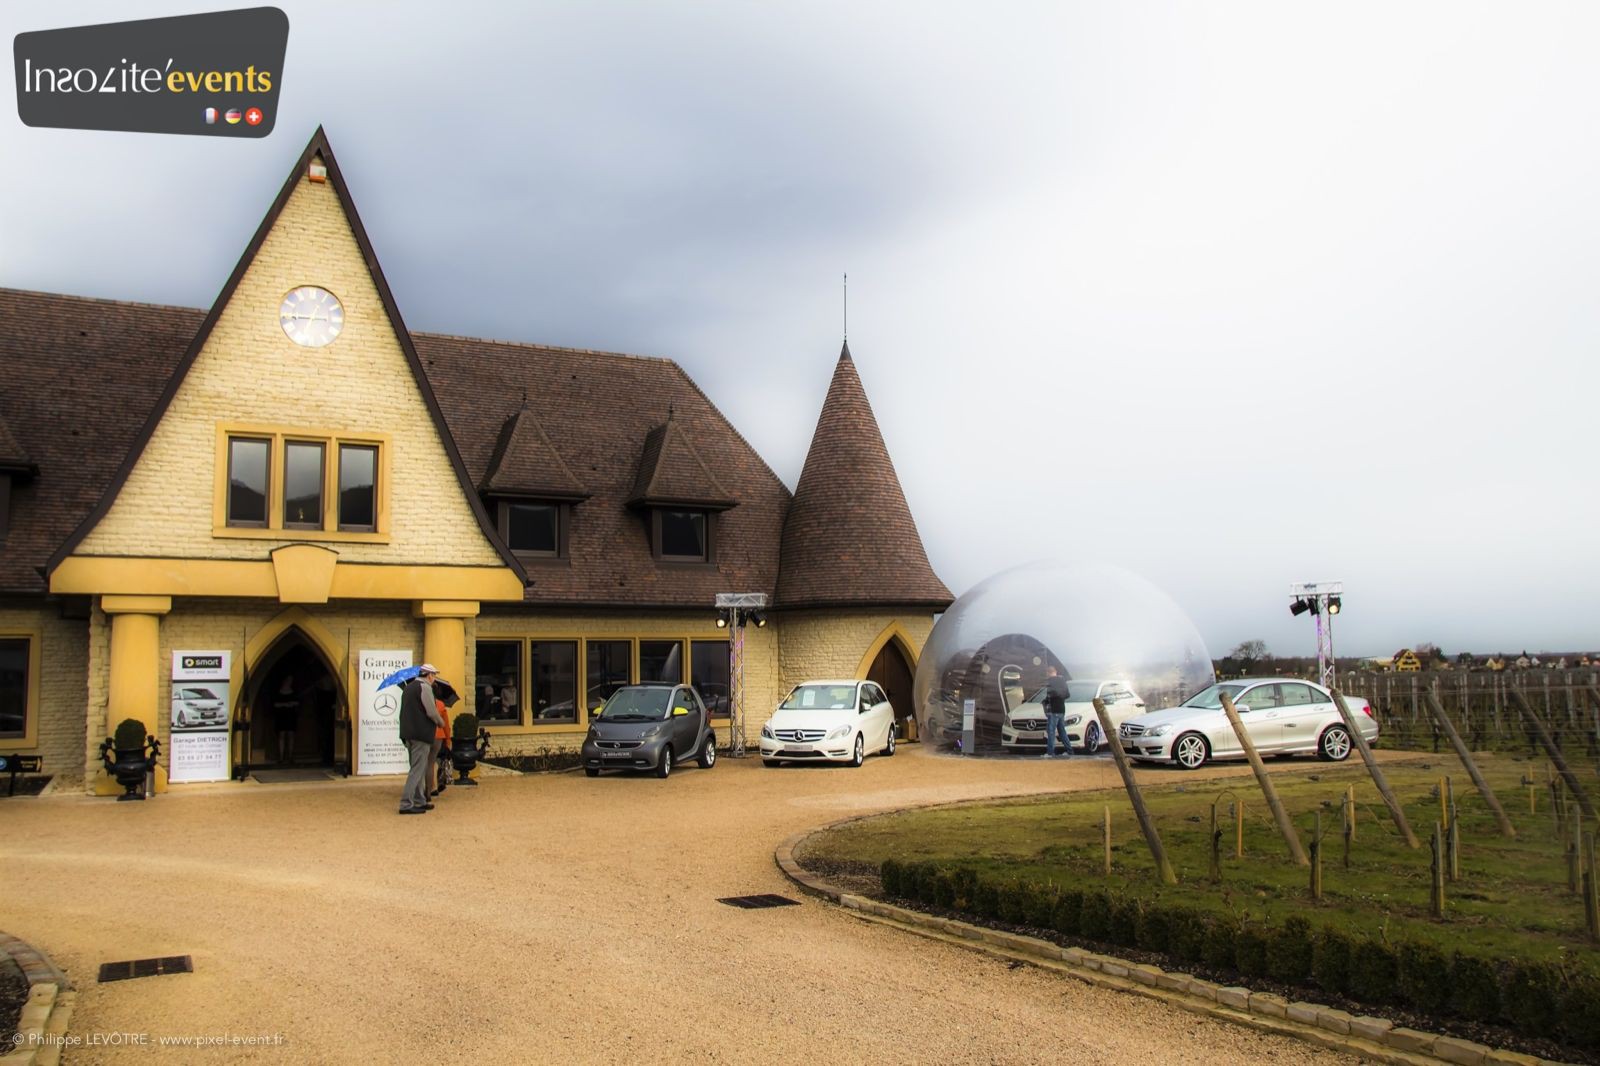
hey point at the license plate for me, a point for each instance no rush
(797, 751)
(616, 754)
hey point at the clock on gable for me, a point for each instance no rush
(311, 317)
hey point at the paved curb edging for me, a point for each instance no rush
(1369, 1037)
(48, 1010)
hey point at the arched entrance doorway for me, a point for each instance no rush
(293, 709)
(891, 670)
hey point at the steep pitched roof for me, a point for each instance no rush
(849, 538)
(526, 463)
(672, 472)
(316, 147)
(13, 457)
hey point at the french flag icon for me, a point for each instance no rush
(211, 116)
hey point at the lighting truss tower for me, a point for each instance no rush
(734, 609)
(1323, 599)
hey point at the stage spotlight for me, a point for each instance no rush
(1333, 605)
(722, 621)
(1299, 607)
(759, 619)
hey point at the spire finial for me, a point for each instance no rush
(847, 306)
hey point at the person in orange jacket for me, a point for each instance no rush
(441, 739)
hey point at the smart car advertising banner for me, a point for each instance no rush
(201, 714)
(378, 746)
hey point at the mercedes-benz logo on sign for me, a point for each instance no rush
(385, 703)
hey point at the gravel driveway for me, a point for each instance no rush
(546, 918)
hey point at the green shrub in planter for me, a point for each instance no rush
(1250, 951)
(911, 881)
(942, 887)
(986, 902)
(1330, 961)
(1186, 935)
(1531, 996)
(1152, 929)
(1474, 988)
(464, 726)
(1011, 901)
(889, 877)
(1040, 905)
(1094, 915)
(1289, 951)
(1124, 929)
(1424, 975)
(1217, 948)
(1064, 919)
(966, 882)
(1374, 971)
(130, 735)
(1580, 1011)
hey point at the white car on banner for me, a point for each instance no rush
(196, 706)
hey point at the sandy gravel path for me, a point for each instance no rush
(545, 918)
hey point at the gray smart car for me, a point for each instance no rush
(649, 727)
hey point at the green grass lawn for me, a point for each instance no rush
(1512, 899)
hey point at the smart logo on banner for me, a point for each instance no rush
(216, 74)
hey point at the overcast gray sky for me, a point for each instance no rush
(1229, 294)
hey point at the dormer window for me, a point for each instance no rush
(535, 529)
(681, 536)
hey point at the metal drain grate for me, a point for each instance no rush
(126, 971)
(752, 903)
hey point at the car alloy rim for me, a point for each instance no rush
(711, 752)
(1091, 737)
(1337, 743)
(861, 747)
(1190, 751)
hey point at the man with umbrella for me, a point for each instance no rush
(419, 724)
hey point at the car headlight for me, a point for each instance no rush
(1075, 719)
(1159, 731)
(652, 731)
(766, 731)
(841, 731)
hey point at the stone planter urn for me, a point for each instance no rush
(467, 745)
(135, 757)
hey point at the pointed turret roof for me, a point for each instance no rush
(526, 463)
(672, 472)
(849, 538)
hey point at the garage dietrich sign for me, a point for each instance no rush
(210, 75)
(379, 749)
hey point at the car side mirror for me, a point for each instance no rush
(679, 712)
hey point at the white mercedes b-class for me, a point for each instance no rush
(829, 721)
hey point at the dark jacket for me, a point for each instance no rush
(418, 719)
(1055, 695)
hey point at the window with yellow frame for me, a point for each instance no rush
(19, 689)
(277, 481)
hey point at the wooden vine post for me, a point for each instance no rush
(1285, 824)
(1106, 837)
(1360, 741)
(1554, 752)
(1435, 708)
(1436, 893)
(1316, 857)
(1591, 893)
(1151, 836)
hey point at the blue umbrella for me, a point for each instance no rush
(401, 676)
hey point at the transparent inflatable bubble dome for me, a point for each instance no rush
(1108, 633)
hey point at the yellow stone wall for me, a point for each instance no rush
(249, 371)
(831, 643)
(62, 690)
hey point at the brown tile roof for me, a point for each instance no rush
(80, 376)
(672, 472)
(13, 456)
(849, 538)
(525, 462)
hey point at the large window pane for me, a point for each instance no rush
(358, 487)
(661, 660)
(13, 688)
(610, 666)
(498, 683)
(534, 527)
(683, 534)
(708, 671)
(555, 680)
(247, 482)
(302, 485)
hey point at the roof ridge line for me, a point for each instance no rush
(545, 347)
(101, 299)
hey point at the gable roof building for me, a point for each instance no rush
(295, 478)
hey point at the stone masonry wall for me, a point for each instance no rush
(61, 685)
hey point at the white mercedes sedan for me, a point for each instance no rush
(1283, 717)
(829, 721)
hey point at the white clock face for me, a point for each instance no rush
(312, 317)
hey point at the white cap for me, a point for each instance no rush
(427, 668)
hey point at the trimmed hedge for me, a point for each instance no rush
(1537, 998)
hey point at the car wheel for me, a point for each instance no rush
(889, 748)
(708, 751)
(183, 722)
(664, 766)
(1190, 751)
(859, 756)
(770, 762)
(1334, 746)
(590, 771)
(1091, 738)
